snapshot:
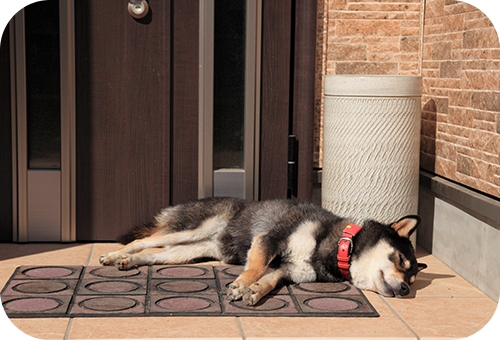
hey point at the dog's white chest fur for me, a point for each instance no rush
(301, 246)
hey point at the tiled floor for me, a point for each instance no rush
(441, 305)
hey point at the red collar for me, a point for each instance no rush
(345, 248)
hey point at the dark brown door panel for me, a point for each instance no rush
(123, 116)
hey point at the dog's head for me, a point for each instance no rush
(383, 258)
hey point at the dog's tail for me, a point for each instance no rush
(137, 233)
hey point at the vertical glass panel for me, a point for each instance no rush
(229, 83)
(43, 85)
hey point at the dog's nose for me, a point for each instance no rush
(404, 290)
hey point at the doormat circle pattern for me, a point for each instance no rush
(187, 290)
(32, 305)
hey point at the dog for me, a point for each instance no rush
(278, 241)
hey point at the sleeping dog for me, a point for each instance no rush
(277, 241)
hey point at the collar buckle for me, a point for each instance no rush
(345, 246)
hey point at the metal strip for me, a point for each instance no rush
(257, 83)
(68, 117)
(22, 127)
(250, 91)
(206, 90)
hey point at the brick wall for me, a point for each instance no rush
(461, 96)
(459, 60)
(367, 37)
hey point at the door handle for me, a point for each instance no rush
(138, 8)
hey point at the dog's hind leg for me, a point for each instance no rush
(257, 262)
(261, 288)
(173, 255)
(208, 229)
(153, 241)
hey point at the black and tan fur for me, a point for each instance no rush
(278, 240)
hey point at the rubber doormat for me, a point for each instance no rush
(190, 290)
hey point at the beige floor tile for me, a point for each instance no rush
(5, 274)
(14, 255)
(441, 281)
(43, 328)
(102, 249)
(155, 328)
(445, 317)
(388, 325)
(423, 256)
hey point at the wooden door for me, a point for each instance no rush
(137, 102)
(137, 113)
(287, 101)
(6, 197)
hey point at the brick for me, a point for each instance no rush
(454, 23)
(368, 27)
(367, 68)
(410, 44)
(477, 23)
(412, 23)
(446, 168)
(343, 52)
(428, 145)
(485, 141)
(428, 162)
(358, 15)
(384, 56)
(461, 117)
(485, 126)
(464, 98)
(450, 69)
(475, 80)
(475, 65)
(408, 66)
(441, 51)
(483, 115)
(445, 150)
(410, 31)
(469, 39)
(442, 104)
(454, 130)
(488, 101)
(493, 80)
(464, 165)
(434, 8)
(476, 154)
(337, 5)
(413, 15)
(428, 129)
(498, 123)
(383, 48)
(410, 56)
(460, 98)
(495, 54)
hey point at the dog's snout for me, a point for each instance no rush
(404, 290)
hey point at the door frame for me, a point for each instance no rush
(20, 183)
(252, 99)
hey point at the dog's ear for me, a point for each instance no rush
(421, 266)
(406, 226)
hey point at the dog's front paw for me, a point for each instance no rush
(235, 291)
(124, 262)
(108, 259)
(252, 295)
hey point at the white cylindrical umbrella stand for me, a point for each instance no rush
(371, 146)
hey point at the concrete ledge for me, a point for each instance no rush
(481, 206)
(461, 227)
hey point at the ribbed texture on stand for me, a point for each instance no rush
(371, 157)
